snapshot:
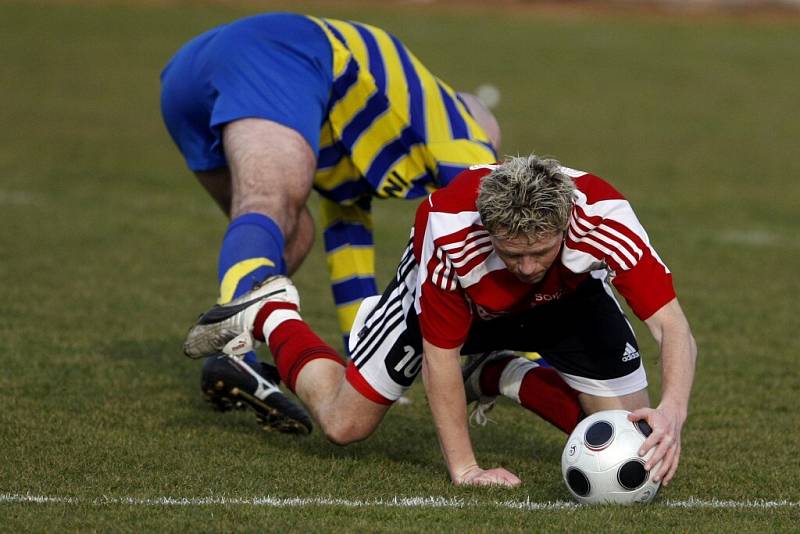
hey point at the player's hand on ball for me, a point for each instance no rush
(665, 440)
(498, 476)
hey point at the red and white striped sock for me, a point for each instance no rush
(292, 342)
(536, 388)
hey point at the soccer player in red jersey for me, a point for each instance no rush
(519, 256)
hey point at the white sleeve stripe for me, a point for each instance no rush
(440, 267)
(455, 245)
(623, 227)
(474, 275)
(623, 239)
(618, 216)
(597, 237)
(610, 253)
(472, 255)
(613, 248)
(604, 253)
(472, 245)
(634, 242)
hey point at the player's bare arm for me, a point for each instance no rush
(678, 355)
(441, 374)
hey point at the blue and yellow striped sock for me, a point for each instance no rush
(251, 251)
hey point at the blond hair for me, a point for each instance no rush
(526, 196)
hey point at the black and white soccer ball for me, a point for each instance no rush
(601, 463)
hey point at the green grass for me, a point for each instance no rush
(108, 250)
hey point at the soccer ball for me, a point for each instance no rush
(601, 463)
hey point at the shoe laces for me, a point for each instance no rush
(478, 416)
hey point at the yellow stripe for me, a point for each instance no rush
(347, 262)
(396, 84)
(343, 171)
(347, 314)
(436, 121)
(331, 213)
(235, 274)
(461, 152)
(358, 94)
(341, 55)
(350, 104)
(532, 355)
(475, 130)
(352, 40)
(387, 127)
(326, 137)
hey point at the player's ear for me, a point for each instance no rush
(483, 116)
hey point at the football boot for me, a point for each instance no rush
(230, 383)
(228, 328)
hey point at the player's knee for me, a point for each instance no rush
(276, 204)
(344, 432)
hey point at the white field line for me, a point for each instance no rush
(755, 238)
(395, 502)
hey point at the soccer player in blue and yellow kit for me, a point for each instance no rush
(269, 107)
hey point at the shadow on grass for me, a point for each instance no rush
(166, 384)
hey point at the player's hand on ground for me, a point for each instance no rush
(665, 440)
(475, 476)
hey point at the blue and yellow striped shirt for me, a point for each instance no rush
(393, 130)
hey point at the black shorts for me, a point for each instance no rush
(585, 336)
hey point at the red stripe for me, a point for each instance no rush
(437, 278)
(473, 263)
(596, 189)
(592, 241)
(617, 243)
(621, 244)
(598, 221)
(630, 234)
(460, 237)
(362, 386)
(457, 254)
(584, 247)
(263, 313)
(293, 344)
(593, 219)
(451, 276)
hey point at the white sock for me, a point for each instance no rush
(512, 375)
(276, 318)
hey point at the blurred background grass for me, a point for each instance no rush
(108, 250)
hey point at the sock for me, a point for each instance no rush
(538, 389)
(252, 250)
(292, 342)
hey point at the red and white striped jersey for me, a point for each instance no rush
(460, 278)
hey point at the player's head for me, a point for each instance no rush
(483, 116)
(525, 204)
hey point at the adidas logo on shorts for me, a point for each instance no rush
(630, 353)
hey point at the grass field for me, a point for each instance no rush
(108, 250)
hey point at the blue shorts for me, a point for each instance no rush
(274, 66)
